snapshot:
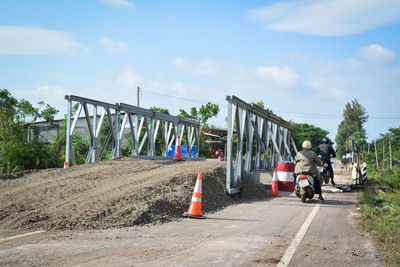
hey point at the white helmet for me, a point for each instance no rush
(306, 144)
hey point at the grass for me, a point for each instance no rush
(381, 212)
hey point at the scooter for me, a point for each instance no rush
(324, 172)
(304, 186)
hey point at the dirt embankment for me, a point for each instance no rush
(117, 193)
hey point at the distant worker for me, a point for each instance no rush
(307, 161)
(325, 150)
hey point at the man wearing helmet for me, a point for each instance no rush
(325, 151)
(307, 161)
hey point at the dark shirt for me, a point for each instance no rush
(325, 151)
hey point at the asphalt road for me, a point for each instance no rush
(279, 230)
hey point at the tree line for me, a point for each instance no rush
(18, 152)
(381, 153)
(22, 148)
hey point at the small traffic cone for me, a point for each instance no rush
(274, 188)
(178, 152)
(195, 205)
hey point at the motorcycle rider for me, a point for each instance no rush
(307, 161)
(325, 151)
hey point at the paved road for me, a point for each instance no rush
(250, 234)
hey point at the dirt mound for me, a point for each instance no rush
(117, 193)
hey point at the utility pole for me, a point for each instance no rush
(390, 152)
(383, 154)
(138, 90)
(376, 156)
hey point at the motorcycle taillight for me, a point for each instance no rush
(303, 176)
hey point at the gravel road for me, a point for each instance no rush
(256, 233)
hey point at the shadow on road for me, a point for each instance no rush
(230, 219)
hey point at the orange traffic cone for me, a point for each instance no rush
(195, 205)
(274, 188)
(178, 152)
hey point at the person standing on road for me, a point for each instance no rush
(307, 161)
(325, 151)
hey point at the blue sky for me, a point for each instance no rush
(304, 59)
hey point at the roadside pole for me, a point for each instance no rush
(137, 92)
(383, 154)
(376, 156)
(390, 153)
(68, 140)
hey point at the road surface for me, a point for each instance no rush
(279, 230)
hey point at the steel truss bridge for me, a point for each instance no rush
(144, 126)
(262, 140)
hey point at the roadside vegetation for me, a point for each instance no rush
(23, 148)
(17, 153)
(380, 209)
(381, 212)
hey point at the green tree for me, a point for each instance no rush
(161, 110)
(351, 128)
(303, 131)
(261, 105)
(202, 115)
(383, 142)
(16, 152)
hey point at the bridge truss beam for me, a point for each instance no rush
(144, 127)
(263, 139)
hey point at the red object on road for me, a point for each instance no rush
(274, 188)
(178, 152)
(285, 175)
(195, 205)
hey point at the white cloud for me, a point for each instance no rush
(49, 94)
(378, 54)
(328, 18)
(164, 94)
(360, 74)
(237, 75)
(284, 75)
(372, 77)
(20, 40)
(119, 3)
(324, 87)
(205, 67)
(113, 46)
(130, 79)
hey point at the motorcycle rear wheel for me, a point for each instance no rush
(303, 198)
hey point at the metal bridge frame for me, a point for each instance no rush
(144, 126)
(263, 139)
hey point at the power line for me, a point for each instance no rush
(298, 114)
(176, 97)
(385, 118)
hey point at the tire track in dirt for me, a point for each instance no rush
(117, 193)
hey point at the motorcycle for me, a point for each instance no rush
(304, 187)
(324, 172)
